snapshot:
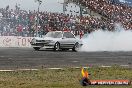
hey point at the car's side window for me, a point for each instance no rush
(68, 35)
(58, 35)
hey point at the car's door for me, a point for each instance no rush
(68, 40)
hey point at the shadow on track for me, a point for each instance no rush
(51, 50)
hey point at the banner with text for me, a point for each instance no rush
(15, 41)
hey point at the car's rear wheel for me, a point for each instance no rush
(36, 48)
(76, 47)
(57, 46)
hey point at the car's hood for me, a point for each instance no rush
(38, 38)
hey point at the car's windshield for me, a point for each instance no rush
(54, 34)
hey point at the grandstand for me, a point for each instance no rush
(116, 11)
(102, 14)
(83, 9)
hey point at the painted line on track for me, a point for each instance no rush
(124, 65)
(103, 66)
(56, 68)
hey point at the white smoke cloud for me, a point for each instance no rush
(120, 40)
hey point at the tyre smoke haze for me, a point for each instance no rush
(119, 40)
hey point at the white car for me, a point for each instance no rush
(57, 40)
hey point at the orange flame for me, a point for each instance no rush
(84, 73)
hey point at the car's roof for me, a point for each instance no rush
(59, 31)
(56, 31)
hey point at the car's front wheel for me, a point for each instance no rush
(76, 47)
(56, 46)
(36, 48)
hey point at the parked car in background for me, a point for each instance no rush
(57, 40)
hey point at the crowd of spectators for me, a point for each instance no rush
(17, 22)
(114, 11)
(25, 23)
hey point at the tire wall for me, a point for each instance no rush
(15, 41)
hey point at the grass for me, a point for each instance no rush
(66, 78)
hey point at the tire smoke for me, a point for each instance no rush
(119, 40)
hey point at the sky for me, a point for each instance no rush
(129, 2)
(125, 1)
(122, 1)
(47, 5)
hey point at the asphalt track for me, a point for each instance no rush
(27, 58)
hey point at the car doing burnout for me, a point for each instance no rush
(57, 40)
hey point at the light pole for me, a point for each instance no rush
(39, 3)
